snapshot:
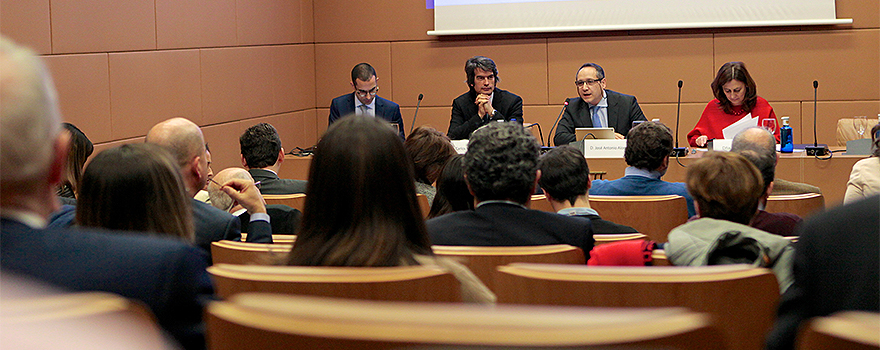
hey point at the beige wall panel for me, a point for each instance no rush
(195, 23)
(793, 110)
(311, 120)
(223, 141)
(435, 117)
(149, 87)
(784, 65)
(236, 83)
(103, 25)
(289, 126)
(100, 147)
(321, 121)
(293, 77)
(27, 22)
(648, 67)
(308, 21)
(690, 115)
(262, 22)
(865, 13)
(333, 64)
(83, 84)
(436, 69)
(828, 113)
(347, 21)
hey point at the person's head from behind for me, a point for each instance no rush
(260, 146)
(733, 86)
(725, 186)
(501, 163)
(482, 74)
(220, 199)
(361, 207)
(759, 147)
(452, 190)
(135, 187)
(648, 146)
(186, 143)
(32, 147)
(78, 152)
(364, 82)
(565, 175)
(429, 149)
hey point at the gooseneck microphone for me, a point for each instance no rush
(678, 151)
(815, 150)
(550, 133)
(411, 126)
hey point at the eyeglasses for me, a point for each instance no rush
(372, 92)
(590, 82)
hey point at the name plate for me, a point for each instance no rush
(722, 145)
(604, 148)
(460, 146)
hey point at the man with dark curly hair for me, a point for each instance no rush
(648, 146)
(262, 155)
(501, 171)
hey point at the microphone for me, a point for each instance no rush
(815, 149)
(540, 134)
(411, 126)
(678, 151)
(550, 133)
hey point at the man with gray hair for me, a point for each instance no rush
(284, 218)
(484, 102)
(754, 140)
(501, 171)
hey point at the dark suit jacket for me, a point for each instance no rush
(836, 268)
(464, 112)
(602, 226)
(213, 225)
(385, 109)
(622, 111)
(502, 224)
(168, 276)
(285, 220)
(272, 184)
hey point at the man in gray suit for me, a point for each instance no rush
(596, 107)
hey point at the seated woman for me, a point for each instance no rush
(135, 187)
(864, 180)
(361, 207)
(78, 151)
(428, 149)
(735, 97)
(452, 191)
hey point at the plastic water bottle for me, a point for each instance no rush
(785, 137)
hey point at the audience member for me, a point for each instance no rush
(168, 276)
(366, 213)
(565, 179)
(864, 180)
(727, 188)
(364, 99)
(202, 195)
(429, 150)
(501, 171)
(836, 268)
(262, 155)
(484, 101)
(452, 191)
(647, 152)
(761, 143)
(284, 219)
(78, 153)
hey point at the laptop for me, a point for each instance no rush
(594, 133)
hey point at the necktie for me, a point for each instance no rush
(597, 122)
(364, 110)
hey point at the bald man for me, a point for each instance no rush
(284, 218)
(757, 141)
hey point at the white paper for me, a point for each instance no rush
(746, 122)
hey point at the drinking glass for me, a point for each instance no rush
(769, 125)
(860, 123)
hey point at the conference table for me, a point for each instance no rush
(830, 175)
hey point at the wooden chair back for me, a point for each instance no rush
(282, 239)
(742, 299)
(851, 330)
(802, 205)
(484, 261)
(262, 321)
(653, 216)
(243, 253)
(295, 201)
(424, 206)
(617, 237)
(403, 283)
(658, 258)
(846, 130)
(540, 202)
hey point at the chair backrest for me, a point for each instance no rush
(424, 206)
(295, 201)
(658, 258)
(283, 239)
(402, 283)
(617, 237)
(802, 205)
(540, 202)
(653, 216)
(742, 299)
(846, 130)
(262, 321)
(484, 261)
(243, 253)
(851, 330)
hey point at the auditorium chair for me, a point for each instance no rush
(617, 237)
(401, 283)
(483, 261)
(802, 205)
(540, 202)
(295, 201)
(851, 330)
(267, 321)
(653, 216)
(846, 130)
(283, 239)
(243, 253)
(424, 206)
(741, 299)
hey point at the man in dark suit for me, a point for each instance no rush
(284, 218)
(366, 88)
(262, 155)
(596, 107)
(836, 268)
(565, 179)
(484, 102)
(168, 276)
(185, 141)
(501, 171)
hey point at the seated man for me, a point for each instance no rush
(366, 87)
(168, 276)
(565, 179)
(262, 155)
(596, 107)
(647, 153)
(501, 170)
(752, 139)
(484, 102)
(284, 218)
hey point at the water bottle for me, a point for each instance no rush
(785, 137)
